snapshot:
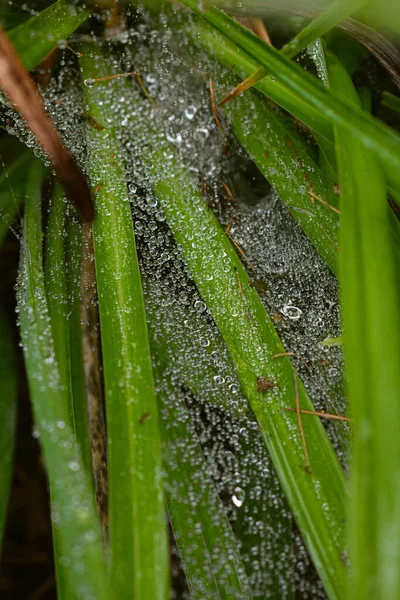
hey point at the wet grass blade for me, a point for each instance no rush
(282, 156)
(172, 344)
(8, 410)
(80, 559)
(374, 135)
(62, 281)
(138, 540)
(37, 37)
(372, 351)
(252, 340)
(206, 543)
(391, 102)
(57, 295)
(336, 12)
(11, 193)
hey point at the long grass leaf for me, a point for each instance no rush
(374, 135)
(372, 351)
(138, 541)
(206, 543)
(252, 340)
(62, 280)
(8, 410)
(81, 562)
(37, 37)
(282, 156)
(187, 475)
(11, 193)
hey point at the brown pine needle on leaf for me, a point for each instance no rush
(324, 202)
(21, 90)
(300, 422)
(283, 354)
(143, 88)
(244, 298)
(259, 29)
(214, 108)
(238, 248)
(321, 414)
(91, 81)
(251, 81)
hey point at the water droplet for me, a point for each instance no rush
(292, 312)
(238, 497)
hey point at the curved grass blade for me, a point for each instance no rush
(62, 281)
(206, 543)
(372, 351)
(252, 340)
(80, 560)
(283, 158)
(187, 476)
(11, 192)
(37, 37)
(334, 14)
(8, 409)
(391, 102)
(374, 135)
(138, 540)
(57, 296)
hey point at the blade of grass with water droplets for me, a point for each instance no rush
(8, 409)
(318, 499)
(80, 559)
(172, 344)
(369, 293)
(334, 14)
(39, 35)
(383, 141)
(62, 281)
(282, 156)
(138, 536)
(11, 192)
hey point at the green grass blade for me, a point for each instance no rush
(138, 541)
(372, 351)
(335, 13)
(207, 546)
(374, 135)
(252, 340)
(243, 65)
(57, 295)
(251, 344)
(391, 102)
(81, 563)
(178, 349)
(283, 158)
(11, 193)
(73, 253)
(37, 37)
(8, 409)
(62, 281)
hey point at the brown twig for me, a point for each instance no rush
(214, 108)
(238, 248)
(92, 81)
(321, 414)
(23, 93)
(259, 29)
(94, 389)
(244, 297)
(300, 422)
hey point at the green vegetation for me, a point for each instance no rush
(247, 445)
